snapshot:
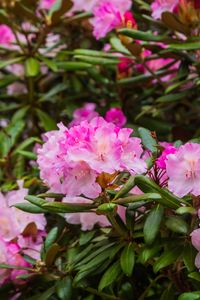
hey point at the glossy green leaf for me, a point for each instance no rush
(167, 258)
(148, 140)
(110, 276)
(152, 224)
(127, 260)
(177, 224)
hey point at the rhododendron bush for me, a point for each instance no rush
(99, 149)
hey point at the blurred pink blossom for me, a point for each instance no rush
(160, 6)
(85, 113)
(116, 116)
(161, 161)
(6, 35)
(183, 170)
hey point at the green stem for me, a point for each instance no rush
(121, 231)
(31, 89)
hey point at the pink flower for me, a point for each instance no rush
(86, 219)
(124, 66)
(161, 161)
(46, 4)
(116, 116)
(4, 273)
(160, 6)
(30, 245)
(195, 238)
(106, 17)
(89, 5)
(87, 112)
(14, 221)
(6, 35)
(183, 170)
(71, 159)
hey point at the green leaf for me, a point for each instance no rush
(185, 46)
(51, 254)
(127, 260)
(51, 238)
(126, 187)
(56, 90)
(64, 288)
(106, 208)
(148, 252)
(141, 35)
(171, 97)
(32, 67)
(35, 200)
(167, 258)
(148, 186)
(189, 254)
(147, 139)
(5, 266)
(30, 208)
(50, 63)
(97, 60)
(110, 276)
(168, 294)
(195, 276)
(28, 154)
(73, 66)
(152, 224)
(118, 46)
(177, 224)
(59, 9)
(85, 237)
(186, 210)
(190, 296)
(66, 207)
(9, 62)
(46, 121)
(43, 296)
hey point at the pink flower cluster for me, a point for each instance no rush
(87, 113)
(72, 159)
(109, 15)
(160, 6)
(15, 236)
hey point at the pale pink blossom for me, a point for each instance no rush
(183, 170)
(6, 35)
(31, 245)
(195, 238)
(116, 116)
(160, 6)
(87, 112)
(14, 221)
(89, 5)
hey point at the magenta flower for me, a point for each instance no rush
(161, 161)
(116, 116)
(160, 6)
(46, 4)
(6, 35)
(85, 113)
(106, 17)
(183, 170)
